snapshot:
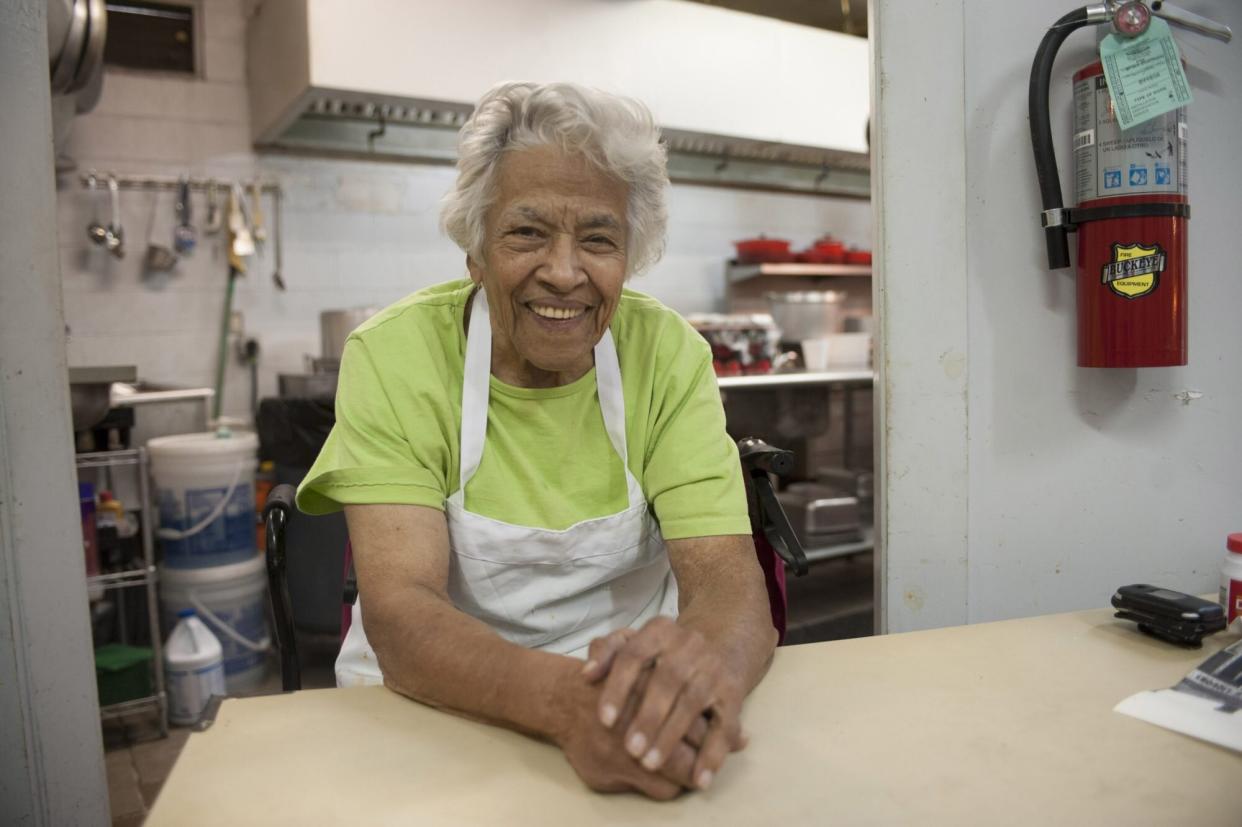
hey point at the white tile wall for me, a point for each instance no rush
(356, 233)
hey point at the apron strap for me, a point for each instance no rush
(611, 394)
(476, 385)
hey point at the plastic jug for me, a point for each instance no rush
(193, 667)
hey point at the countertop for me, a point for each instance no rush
(997, 723)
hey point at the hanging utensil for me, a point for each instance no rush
(114, 234)
(215, 216)
(184, 237)
(256, 214)
(95, 231)
(241, 242)
(159, 259)
(277, 209)
(240, 245)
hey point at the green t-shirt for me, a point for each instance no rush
(547, 461)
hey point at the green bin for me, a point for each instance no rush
(122, 672)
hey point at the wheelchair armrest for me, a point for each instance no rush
(276, 513)
(281, 497)
(760, 459)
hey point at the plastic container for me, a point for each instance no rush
(1231, 582)
(232, 601)
(90, 536)
(193, 669)
(204, 486)
(849, 349)
(817, 353)
(122, 673)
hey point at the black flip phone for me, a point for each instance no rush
(1169, 615)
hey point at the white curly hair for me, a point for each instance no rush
(615, 133)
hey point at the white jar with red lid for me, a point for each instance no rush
(1231, 581)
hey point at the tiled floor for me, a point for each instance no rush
(137, 771)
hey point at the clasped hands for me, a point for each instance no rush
(655, 711)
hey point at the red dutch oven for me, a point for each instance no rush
(759, 250)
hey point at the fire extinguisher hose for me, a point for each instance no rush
(1041, 132)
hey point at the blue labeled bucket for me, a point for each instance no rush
(232, 601)
(204, 489)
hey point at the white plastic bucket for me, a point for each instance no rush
(204, 487)
(193, 669)
(232, 601)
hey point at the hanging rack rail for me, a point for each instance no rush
(169, 182)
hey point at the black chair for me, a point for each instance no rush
(776, 547)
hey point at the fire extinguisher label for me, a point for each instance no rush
(1134, 270)
(1147, 159)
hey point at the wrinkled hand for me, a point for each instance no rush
(600, 760)
(685, 680)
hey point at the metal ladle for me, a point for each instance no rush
(257, 230)
(159, 259)
(277, 278)
(184, 237)
(96, 231)
(215, 215)
(114, 235)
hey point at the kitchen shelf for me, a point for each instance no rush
(818, 555)
(109, 459)
(125, 707)
(122, 579)
(844, 375)
(146, 577)
(745, 272)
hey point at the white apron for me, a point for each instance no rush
(542, 589)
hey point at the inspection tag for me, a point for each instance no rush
(1145, 75)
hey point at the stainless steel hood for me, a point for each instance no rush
(744, 101)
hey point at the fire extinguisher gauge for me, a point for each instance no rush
(1132, 19)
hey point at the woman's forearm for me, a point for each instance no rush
(743, 635)
(727, 602)
(430, 651)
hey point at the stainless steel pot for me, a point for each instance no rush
(803, 315)
(335, 327)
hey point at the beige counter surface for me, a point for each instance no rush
(997, 723)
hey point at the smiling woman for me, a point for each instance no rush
(553, 262)
(535, 468)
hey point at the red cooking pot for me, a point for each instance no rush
(825, 251)
(759, 250)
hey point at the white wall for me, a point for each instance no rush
(356, 233)
(1076, 480)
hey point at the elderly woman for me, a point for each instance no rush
(534, 466)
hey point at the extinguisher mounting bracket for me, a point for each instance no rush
(1071, 217)
(1053, 218)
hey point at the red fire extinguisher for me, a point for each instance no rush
(1131, 208)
